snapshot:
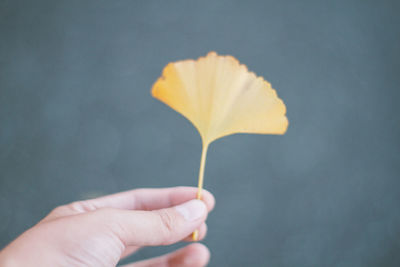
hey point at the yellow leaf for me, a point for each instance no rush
(220, 97)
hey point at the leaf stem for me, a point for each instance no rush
(195, 234)
(201, 171)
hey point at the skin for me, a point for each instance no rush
(102, 231)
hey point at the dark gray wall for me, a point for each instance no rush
(77, 120)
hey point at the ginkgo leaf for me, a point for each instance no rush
(220, 97)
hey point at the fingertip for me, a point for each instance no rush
(195, 255)
(193, 210)
(209, 199)
(202, 231)
(202, 234)
(180, 194)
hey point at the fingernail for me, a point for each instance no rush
(192, 210)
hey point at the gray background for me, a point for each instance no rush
(77, 120)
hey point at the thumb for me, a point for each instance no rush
(151, 228)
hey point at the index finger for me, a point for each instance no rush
(137, 199)
(151, 198)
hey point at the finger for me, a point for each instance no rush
(150, 228)
(202, 234)
(194, 255)
(152, 199)
(129, 251)
(138, 199)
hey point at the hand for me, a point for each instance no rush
(99, 232)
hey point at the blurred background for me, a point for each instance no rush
(77, 121)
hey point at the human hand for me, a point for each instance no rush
(101, 231)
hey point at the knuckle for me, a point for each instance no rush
(168, 222)
(56, 213)
(81, 206)
(57, 210)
